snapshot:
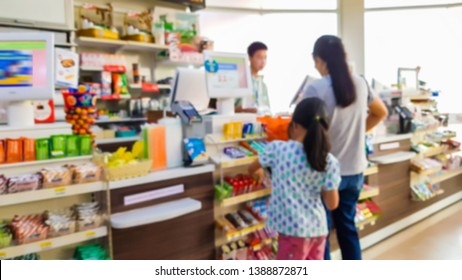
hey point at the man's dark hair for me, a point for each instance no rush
(255, 47)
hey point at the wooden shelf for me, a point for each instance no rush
(363, 224)
(446, 176)
(226, 162)
(371, 171)
(244, 198)
(117, 140)
(435, 194)
(143, 47)
(126, 120)
(52, 243)
(371, 192)
(44, 194)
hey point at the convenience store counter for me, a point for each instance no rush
(165, 215)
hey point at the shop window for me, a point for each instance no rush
(429, 38)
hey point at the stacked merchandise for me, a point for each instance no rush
(367, 211)
(56, 146)
(36, 227)
(51, 177)
(237, 185)
(425, 190)
(261, 245)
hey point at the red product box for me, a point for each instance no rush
(44, 111)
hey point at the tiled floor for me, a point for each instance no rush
(438, 237)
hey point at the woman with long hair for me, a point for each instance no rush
(353, 110)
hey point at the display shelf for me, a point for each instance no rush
(120, 120)
(371, 170)
(91, 68)
(115, 97)
(170, 63)
(438, 151)
(161, 86)
(428, 172)
(394, 158)
(391, 138)
(371, 221)
(267, 241)
(162, 175)
(227, 162)
(435, 194)
(44, 162)
(236, 234)
(220, 140)
(117, 140)
(52, 243)
(446, 175)
(44, 194)
(99, 42)
(244, 198)
(143, 47)
(419, 97)
(369, 193)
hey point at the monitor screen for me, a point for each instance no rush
(23, 64)
(227, 75)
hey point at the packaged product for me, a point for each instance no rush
(28, 228)
(2, 151)
(88, 216)
(5, 235)
(72, 145)
(85, 145)
(59, 223)
(14, 150)
(24, 183)
(86, 173)
(29, 149)
(42, 149)
(56, 177)
(58, 146)
(3, 184)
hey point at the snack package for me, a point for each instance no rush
(24, 183)
(88, 216)
(29, 149)
(14, 150)
(2, 151)
(28, 228)
(42, 149)
(90, 252)
(106, 82)
(86, 173)
(72, 145)
(119, 83)
(56, 177)
(3, 184)
(85, 145)
(5, 236)
(58, 146)
(59, 223)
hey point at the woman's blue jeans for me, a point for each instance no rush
(343, 218)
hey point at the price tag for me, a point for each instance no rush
(257, 247)
(60, 191)
(2, 254)
(45, 245)
(90, 234)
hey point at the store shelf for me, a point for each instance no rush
(433, 152)
(220, 140)
(44, 194)
(143, 47)
(44, 162)
(99, 43)
(139, 86)
(170, 63)
(391, 138)
(115, 97)
(117, 140)
(435, 194)
(245, 197)
(227, 162)
(429, 172)
(367, 222)
(91, 68)
(125, 120)
(52, 243)
(369, 193)
(371, 170)
(163, 175)
(446, 175)
(394, 158)
(233, 235)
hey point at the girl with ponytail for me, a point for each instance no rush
(304, 175)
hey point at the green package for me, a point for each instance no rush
(42, 151)
(58, 146)
(72, 146)
(85, 145)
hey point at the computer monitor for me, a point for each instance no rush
(190, 85)
(228, 77)
(26, 73)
